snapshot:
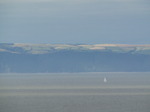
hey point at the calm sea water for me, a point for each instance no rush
(75, 92)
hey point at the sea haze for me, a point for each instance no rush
(75, 92)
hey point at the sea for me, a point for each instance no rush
(75, 92)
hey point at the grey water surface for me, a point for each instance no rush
(75, 92)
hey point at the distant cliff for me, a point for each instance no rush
(35, 58)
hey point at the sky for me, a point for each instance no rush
(75, 21)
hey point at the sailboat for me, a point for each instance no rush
(105, 80)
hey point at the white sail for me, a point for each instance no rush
(105, 80)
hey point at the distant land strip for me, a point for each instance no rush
(73, 58)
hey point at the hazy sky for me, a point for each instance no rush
(75, 21)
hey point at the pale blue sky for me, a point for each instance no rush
(75, 21)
